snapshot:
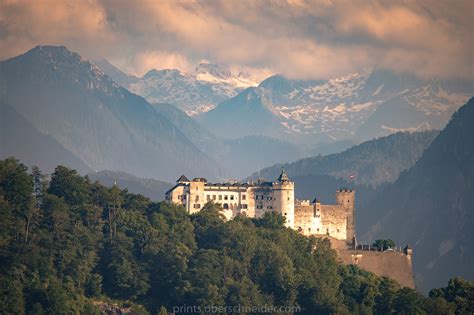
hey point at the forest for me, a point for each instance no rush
(70, 246)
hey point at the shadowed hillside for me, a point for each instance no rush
(431, 205)
(373, 162)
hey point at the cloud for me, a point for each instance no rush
(300, 38)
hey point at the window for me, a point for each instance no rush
(244, 197)
(269, 198)
(208, 198)
(269, 207)
(197, 198)
(213, 197)
(259, 207)
(288, 198)
(197, 206)
(226, 197)
(226, 206)
(232, 197)
(285, 214)
(243, 206)
(220, 197)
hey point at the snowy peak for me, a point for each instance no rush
(195, 92)
(213, 70)
(166, 74)
(358, 106)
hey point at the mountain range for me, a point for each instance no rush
(357, 107)
(352, 108)
(105, 126)
(56, 96)
(430, 206)
(195, 92)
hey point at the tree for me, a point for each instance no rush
(384, 244)
(271, 220)
(66, 183)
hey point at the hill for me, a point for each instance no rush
(76, 247)
(148, 187)
(22, 140)
(431, 205)
(373, 162)
(106, 126)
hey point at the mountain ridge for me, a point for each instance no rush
(99, 121)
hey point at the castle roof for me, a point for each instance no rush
(283, 176)
(182, 179)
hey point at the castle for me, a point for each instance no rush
(253, 199)
(336, 222)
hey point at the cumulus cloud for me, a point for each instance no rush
(300, 38)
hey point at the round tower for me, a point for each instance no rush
(284, 198)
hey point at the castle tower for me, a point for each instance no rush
(284, 198)
(346, 197)
(196, 195)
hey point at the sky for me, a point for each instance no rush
(317, 39)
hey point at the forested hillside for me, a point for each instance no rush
(431, 205)
(372, 162)
(148, 187)
(71, 246)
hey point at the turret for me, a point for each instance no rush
(346, 197)
(284, 198)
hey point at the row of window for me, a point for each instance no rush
(225, 206)
(262, 197)
(225, 197)
(261, 207)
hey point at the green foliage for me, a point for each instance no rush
(89, 245)
(384, 244)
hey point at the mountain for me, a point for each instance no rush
(355, 107)
(236, 156)
(431, 206)
(194, 92)
(373, 162)
(66, 97)
(151, 188)
(428, 106)
(122, 78)
(18, 138)
(247, 114)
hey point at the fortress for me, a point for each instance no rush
(336, 222)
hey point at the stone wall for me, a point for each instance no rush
(334, 221)
(392, 264)
(321, 220)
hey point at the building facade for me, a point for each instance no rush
(253, 199)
